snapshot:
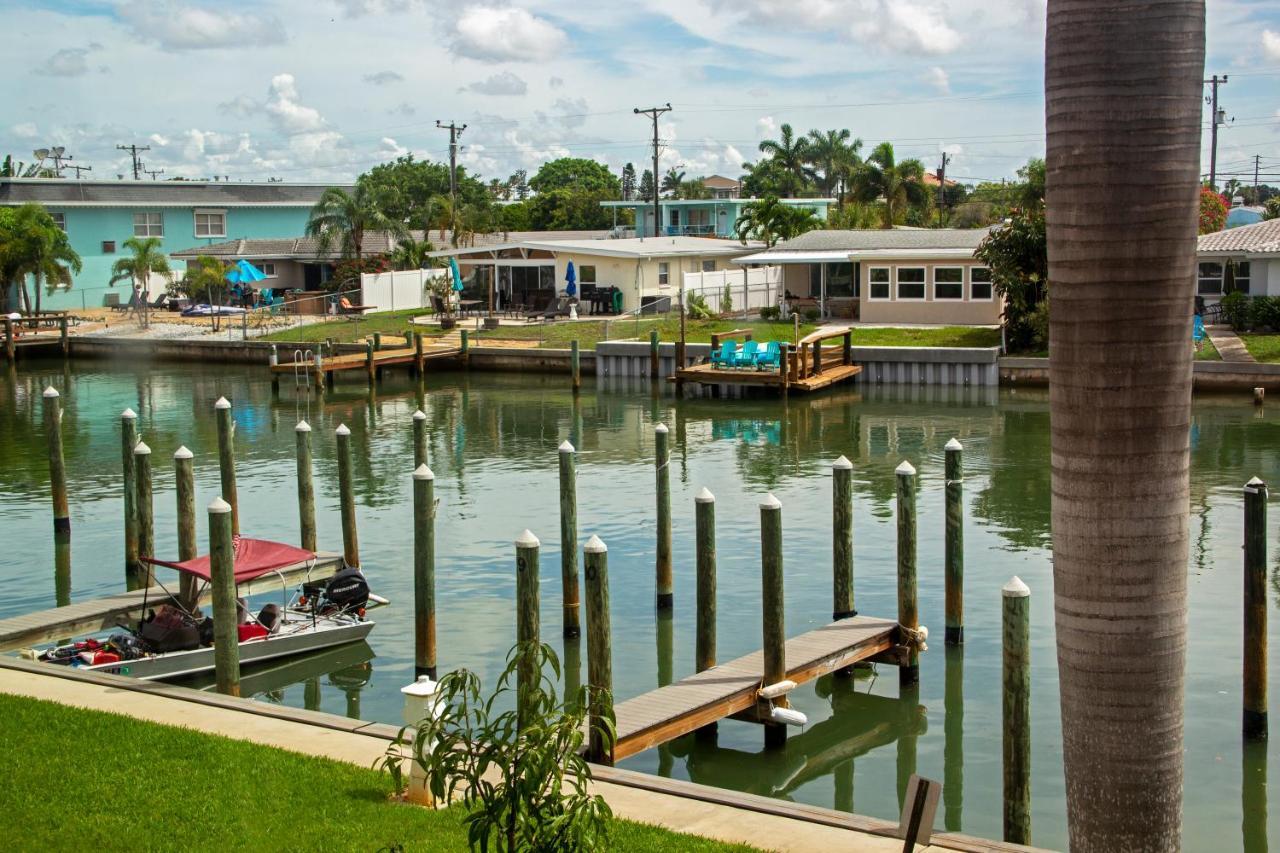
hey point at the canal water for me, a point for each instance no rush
(493, 449)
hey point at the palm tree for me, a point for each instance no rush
(206, 280)
(899, 184)
(835, 157)
(1121, 273)
(770, 220)
(347, 218)
(37, 247)
(792, 155)
(147, 260)
(411, 254)
(671, 182)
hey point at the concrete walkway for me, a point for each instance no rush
(1229, 346)
(672, 804)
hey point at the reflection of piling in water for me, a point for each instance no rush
(1253, 796)
(311, 694)
(62, 571)
(909, 695)
(953, 743)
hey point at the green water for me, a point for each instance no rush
(493, 449)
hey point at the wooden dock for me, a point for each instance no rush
(730, 688)
(100, 614)
(372, 366)
(805, 366)
(53, 339)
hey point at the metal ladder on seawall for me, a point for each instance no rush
(302, 360)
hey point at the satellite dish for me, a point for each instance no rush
(40, 153)
(57, 152)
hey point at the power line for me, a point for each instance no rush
(1216, 117)
(653, 113)
(133, 152)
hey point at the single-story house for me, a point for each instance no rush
(99, 215)
(530, 270)
(899, 275)
(701, 217)
(1246, 259)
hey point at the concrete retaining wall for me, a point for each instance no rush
(631, 358)
(1205, 375)
(928, 365)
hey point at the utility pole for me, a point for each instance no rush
(133, 152)
(942, 186)
(80, 169)
(1257, 160)
(57, 156)
(455, 131)
(1216, 118)
(653, 113)
(153, 172)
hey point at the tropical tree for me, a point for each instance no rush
(411, 254)
(1121, 247)
(898, 184)
(576, 173)
(672, 181)
(628, 182)
(834, 154)
(1213, 211)
(519, 183)
(791, 154)
(345, 218)
(147, 260)
(35, 246)
(770, 220)
(694, 188)
(206, 281)
(645, 191)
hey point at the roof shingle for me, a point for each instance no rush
(1261, 238)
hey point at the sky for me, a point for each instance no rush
(321, 90)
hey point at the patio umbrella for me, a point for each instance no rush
(457, 274)
(570, 280)
(243, 272)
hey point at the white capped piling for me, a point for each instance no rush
(773, 606)
(146, 511)
(842, 539)
(57, 466)
(347, 497)
(306, 487)
(595, 558)
(1254, 716)
(954, 545)
(129, 438)
(569, 539)
(424, 572)
(188, 549)
(419, 437)
(665, 589)
(908, 613)
(227, 459)
(527, 617)
(1016, 637)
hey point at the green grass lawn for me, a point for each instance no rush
(87, 780)
(345, 329)
(1264, 348)
(1208, 352)
(945, 336)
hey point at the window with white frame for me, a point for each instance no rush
(878, 279)
(910, 283)
(948, 283)
(979, 284)
(708, 266)
(148, 225)
(211, 223)
(664, 274)
(268, 269)
(1240, 276)
(60, 219)
(1209, 280)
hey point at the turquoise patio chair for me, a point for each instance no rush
(1198, 333)
(770, 356)
(746, 356)
(725, 356)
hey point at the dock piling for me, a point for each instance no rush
(842, 539)
(465, 346)
(569, 539)
(128, 438)
(272, 360)
(226, 640)
(1259, 396)
(705, 538)
(527, 616)
(146, 511)
(595, 558)
(424, 572)
(665, 594)
(1016, 633)
(908, 613)
(185, 479)
(306, 487)
(10, 344)
(347, 498)
(1254, 716)
(369, 366)
(377, 341)
(227, 459)
(954, 545)
(57, 465)
(774, 628)
(418, 360)
(419, 439)
(653, 356)
(575, 365)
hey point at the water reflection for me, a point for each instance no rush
(953, 739)
(1253, 796)
(666, 670)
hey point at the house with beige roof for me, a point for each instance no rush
(1246, 259)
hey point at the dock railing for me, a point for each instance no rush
(806, 360)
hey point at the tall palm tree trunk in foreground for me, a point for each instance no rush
(1122, 91)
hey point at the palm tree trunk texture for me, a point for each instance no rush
(1122, 99)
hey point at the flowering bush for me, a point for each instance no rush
(347, 272)
(1213, 211)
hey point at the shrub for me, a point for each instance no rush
(769, 312)
(811, 315)
(1236, 311)
(726, 301)
(698, 309)
(1017, 255)
(1264, 313)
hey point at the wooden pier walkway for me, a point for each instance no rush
(730, 688)
(360, 361)
(804, 366)
(99, 614)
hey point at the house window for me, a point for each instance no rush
(674, 217)
(878, 277)
(148, 225)
(664, 274)
(911, 283)
(948, 282)
(1209, 282)
(1240, 276)
(108, 247)
(268, 269)
(708, 266)
(980, 284)
(211, 223)
(840, 280)
(587, 274)
(60, 219)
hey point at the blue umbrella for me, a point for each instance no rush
(243, 272)
(570, 280)
(457, 274)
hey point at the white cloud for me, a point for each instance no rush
(175, 26)
(25, 130)
(907, 26)
(502, 83)
(68, 62)
(505, 34)
(1271, 44)
(383, 78)
(766, 127)
(938, 78)
(285, 110)
(570, 113)
(390, 149)
(241, 106)
(555, 82)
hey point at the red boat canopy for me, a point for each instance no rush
(253, 558)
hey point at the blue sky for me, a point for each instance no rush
(323, 89)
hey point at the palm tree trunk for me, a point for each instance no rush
(36, 287)
(1123, 86)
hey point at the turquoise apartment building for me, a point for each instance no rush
(702, 217)
(99, 216)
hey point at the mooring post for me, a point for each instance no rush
(842, 539)
(370, 369)
(226, 640)
(1255, 610)
(347, 498)
(704, 506)
(273, 359)
(424, 572)
(569, 540)
(663, 567)
(575, 366)
(775, 635)
(408, 338)
(1259, 396)
(418, 360)
(306, 487)
(185, 478)
(1017, 711)
(57, 465)
(527, 619)
(377, 341)
(465, 348)
(227, 459)
(908, 614)
(954, 545)
(63, 340)
(146, 511)
(419, 439)
(653, 356)
(595, 558)
(10, 347)
(128, 438)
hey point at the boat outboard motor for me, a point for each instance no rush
(347, 591)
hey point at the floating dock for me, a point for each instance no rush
(805, 366)
(731, 688)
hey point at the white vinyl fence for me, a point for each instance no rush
(750, 288)
(398, 291)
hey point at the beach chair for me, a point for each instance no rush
(746, 357)
(770, 356)
(724, 357)
(345, 307)
(1198, 333)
